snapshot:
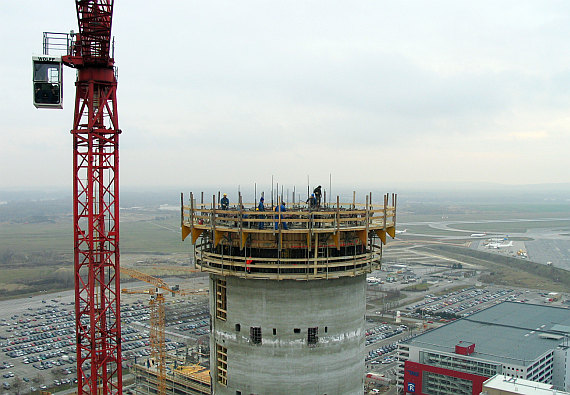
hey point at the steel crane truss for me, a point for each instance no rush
(96, 213)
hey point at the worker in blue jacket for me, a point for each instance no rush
(312, 201)
(261, 207)
(225, 202)
(280, 209)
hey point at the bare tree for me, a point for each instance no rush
(17, 384)
(39, 379)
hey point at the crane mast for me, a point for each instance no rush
(96, 201)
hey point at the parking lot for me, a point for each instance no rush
(463, 303)
(37, 340)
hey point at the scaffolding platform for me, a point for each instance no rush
(302, 243)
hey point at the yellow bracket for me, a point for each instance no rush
(185, 232)
(217, 237)
(195, 234)
(391, 231)
(243, 239)
(362, 236)
(382, 235)
(336, 238)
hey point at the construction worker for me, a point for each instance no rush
(318, 193)
(312, 201)
(280, 209)
(225, 202)
(260, 207)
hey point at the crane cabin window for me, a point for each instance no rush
(47, 81)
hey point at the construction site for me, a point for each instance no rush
(287, 291)
(286, 299)
(286, 284)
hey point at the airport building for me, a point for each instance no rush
(517, 340)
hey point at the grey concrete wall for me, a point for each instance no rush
(284, 363)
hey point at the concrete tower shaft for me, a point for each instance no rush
(287, 292)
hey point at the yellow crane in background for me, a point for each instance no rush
(157, 316)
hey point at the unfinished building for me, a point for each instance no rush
(287, 292)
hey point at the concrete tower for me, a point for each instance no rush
(287, 292)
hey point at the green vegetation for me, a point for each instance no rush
(428, 230)
(452, 289)
(509, 271)
(512, 227)
(26, 238)
(38, 257)
(160, 235)
(465, 229)
(153, 237)
(416, 287)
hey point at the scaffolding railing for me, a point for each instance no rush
(300, 218)
(305, 242)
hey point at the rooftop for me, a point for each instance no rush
(519, 386)
(508, 332)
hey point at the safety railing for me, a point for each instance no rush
(298, 218)
(289, 268)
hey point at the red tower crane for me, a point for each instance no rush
(96, 201)
(95, 193)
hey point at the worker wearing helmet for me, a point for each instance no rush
(279, 209)
(312, 201)
(225, 202)
(260, 207)
(318, 193)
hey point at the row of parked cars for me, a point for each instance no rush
(461, 303)
(374, 354)
(377, 334)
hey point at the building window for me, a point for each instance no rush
(297, 330)
(255, 334)
(274, 331)
(238, 327)
(221, 301)
(435, 383)
(313, 335)
(222, 364)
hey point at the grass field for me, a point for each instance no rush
(452, 289)
(489, 227)
(143, 236)
(513, 227)
(26, 238)
(509, 271)
(416, 287)
(154, 239)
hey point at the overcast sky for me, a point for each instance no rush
(372, 92)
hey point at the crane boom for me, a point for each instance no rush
(157, 282)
